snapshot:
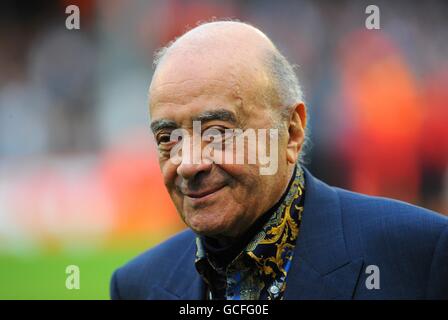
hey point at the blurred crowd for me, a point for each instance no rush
(77, 159)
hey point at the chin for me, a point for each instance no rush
(208, 224)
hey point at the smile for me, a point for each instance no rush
(200, 196)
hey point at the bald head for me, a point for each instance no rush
(213, 37)
(235, 52)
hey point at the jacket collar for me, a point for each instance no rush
(184, 282)
(321, 267)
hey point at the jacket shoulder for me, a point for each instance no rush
(371, 210)
(135, 278)
(408, 243)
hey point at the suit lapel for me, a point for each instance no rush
(305, 283)
(195, 291)
(184, 281)
(321, 267)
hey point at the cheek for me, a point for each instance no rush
(251, 188)
(244, 177)
(169, 172)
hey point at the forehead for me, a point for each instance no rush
(187, 84)
(182, 101)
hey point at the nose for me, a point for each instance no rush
(189, 170)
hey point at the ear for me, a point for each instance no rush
(296, 132)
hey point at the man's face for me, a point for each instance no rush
(222, 199)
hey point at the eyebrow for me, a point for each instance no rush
(219, 114)
(158, 125)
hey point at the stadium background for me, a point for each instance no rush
(79, 180)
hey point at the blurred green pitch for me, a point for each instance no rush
(42, 276)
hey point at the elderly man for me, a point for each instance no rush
(281, 234)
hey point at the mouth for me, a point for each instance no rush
(202, 195)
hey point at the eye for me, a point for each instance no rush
(216, 134)
(163, 138)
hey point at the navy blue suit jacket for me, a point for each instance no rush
(342, 233)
